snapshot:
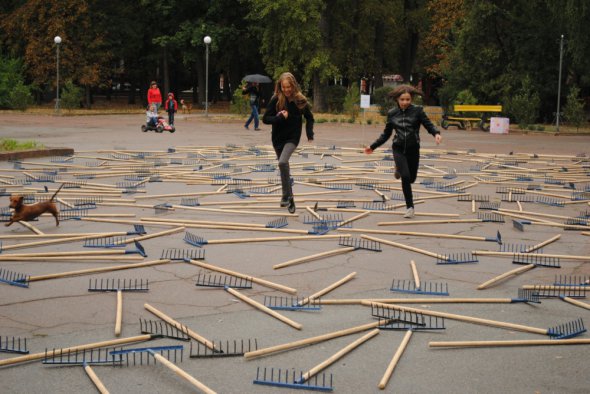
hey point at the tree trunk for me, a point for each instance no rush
(319, 99)
(166, 73)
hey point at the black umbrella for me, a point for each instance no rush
(257, 78)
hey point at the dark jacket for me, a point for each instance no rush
(406, 124)
(288, 130)
(254, 94)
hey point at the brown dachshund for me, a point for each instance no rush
(30, 212)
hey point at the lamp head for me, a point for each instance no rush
(57, 40)
(207, 40)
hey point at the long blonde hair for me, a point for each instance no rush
(300, 99)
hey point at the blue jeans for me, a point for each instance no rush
(253, 115)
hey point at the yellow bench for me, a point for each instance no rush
(483, 122)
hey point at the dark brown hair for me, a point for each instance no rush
(401, 89)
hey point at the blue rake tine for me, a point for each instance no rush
(526, 296)
(537, 259)
(14, 278)
(288, 380)
(409, 287)
(224, 348)
(183, 254)
(16, 345)
(572, 280)
(291, 304)
(194, 240)
(457, 258)
(138, 229)
(567, 330)
(277, 223)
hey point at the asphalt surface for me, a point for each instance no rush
(58, 313)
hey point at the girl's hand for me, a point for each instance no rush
(284, 113)
(438, 139)
(368, 150)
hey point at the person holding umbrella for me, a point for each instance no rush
(284, 112)
(251, 88)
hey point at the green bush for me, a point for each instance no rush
(352, 102)
(524, 104)
(240, 103)
(382, 99)
(71, 96)
(20, 97)
(14, 93)
(8, 144)
(573, 110)
(335, 95)
(321, 120)
(540, 128)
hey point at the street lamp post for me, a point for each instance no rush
(559, 83)
(57, 41)
(207, 41)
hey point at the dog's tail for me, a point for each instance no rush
(57, 191)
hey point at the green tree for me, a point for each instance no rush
(573, 111)
(524, 104)
(13, 92)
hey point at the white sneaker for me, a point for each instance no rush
(409, 213)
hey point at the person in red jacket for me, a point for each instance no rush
(154, 96)
(171, 106)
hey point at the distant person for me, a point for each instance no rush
(154, 96)
(254, 92)
(151, 116)
(284, 112)
(405, 119)
(171, 106)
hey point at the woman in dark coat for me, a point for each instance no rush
(284, 112)
(406, 119)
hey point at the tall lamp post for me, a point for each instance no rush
(207, 41)
(559, 83)
(57, 41)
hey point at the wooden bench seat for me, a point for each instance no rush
(461, 121)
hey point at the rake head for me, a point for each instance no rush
(345, 204)
(226, 348)
(138, 229)
(409, 286)
(519, 224)
(194, 240)
(13, 345)
(162, 329)
(87, 201)
(507, 190)
(73, 214)
(14, 278)
(489, 205)
(162, 208)
(457, 258)
(189, 202)
(550, 201)
(223, 281)
(378, 206)
(490, 217)
(106, 242)
(403, 320)
(291, 303)
(549, 291)
(183, 254)
(567, 330)
(518, 197)
(118, 285)
(570, 280)
(473, 197)
(526, 296)
(537, 259)
(85, 357)
(360, 243)
(136, 356)
(517, 248)
(277, 223)
(576, 224)
(288, 378)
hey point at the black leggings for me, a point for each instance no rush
(406, 164)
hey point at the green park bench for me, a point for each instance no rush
(459, 119)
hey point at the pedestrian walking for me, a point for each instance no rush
(252, 89)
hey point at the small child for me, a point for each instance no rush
(152, 116)
(171, 106)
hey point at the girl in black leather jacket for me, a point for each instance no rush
(405, 120)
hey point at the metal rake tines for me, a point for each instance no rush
(457, 258)
(527, 295)
(473, 197)
(345, 204)
(288, 378)
(328, 219)
(164, 329)
(73, 214)
(84, 357)
(552, 181)
(567, 330)
(291, 303)
(87, 201)
(261, 190)
(106, 242)
(395, 319)
(490, 217)
(534, 186)
(517, 248)
(14, 278)
(584, 214)
(277, 223)
(13, 345)
(360, 243)
(227, 348)
(518, 197)
(384, 188)
(223, 281)
(490, 205)
(189, 201)
(183, 254)
(575, 223)
(524, 178)
(87, 175)
(572, 280)
(118, 285)
(537, 259)
(130, 185)
(579, 196)
(138, 229)
(409, 286)
(74, 184)
(61, 159)
(162, 208)
(194, 240)
(378, 206)
(363, 184)
(265, 168)
(550, 291)
(338, 186)
(554, 202)
(137, 355)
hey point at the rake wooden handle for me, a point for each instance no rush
(556, 287)
(544, 243)
(352, 219)
(505, 275)
(262, 282)
(327, 289)
(154, 235)
(108, 258)
(31, 227)
(468, 319)
(416, 233)
(311, 341)
(180, 326)
(402, 246)
(441, 300)
(95, 270)
(271, 239)
(415, 274)
(119, 316)
(331, 360)
(530, 342)
(95, 345)
(264, 308)
(236, 228)
(333, 252)
(56, 241)
(407, 222)
(97, 382)
(392, 364)
(180, 372)
(313, 213)
(557, 256)
(576, 302)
